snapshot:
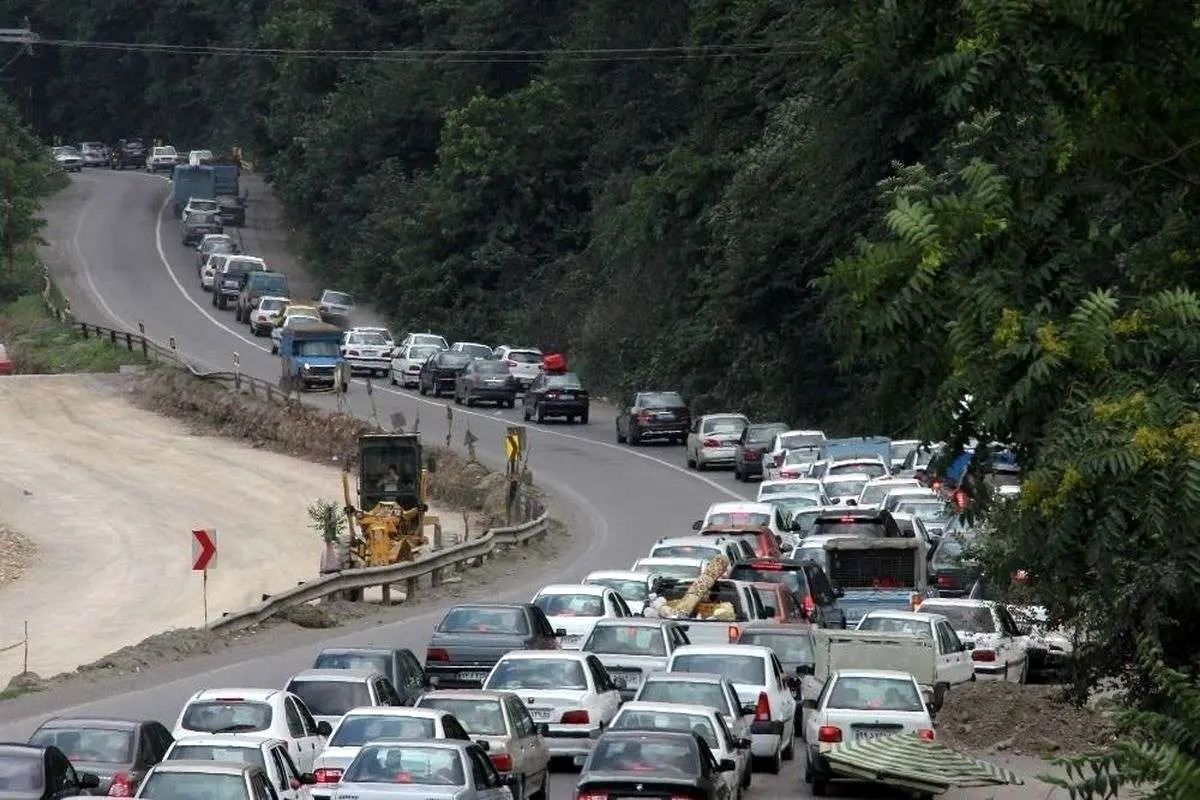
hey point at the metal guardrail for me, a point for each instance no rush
(409, 573)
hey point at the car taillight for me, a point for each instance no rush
(501, 761)
(927, 734)
(643, 416)
(810, 606)
(751, 455)
(508, 362)
(762, 709)
(777, 460)
(551, 395)
(735, 633)
(325, 775)
(787, 473)
(712, 442)
(829, 733)
(592, 796)
(983, 655)
(120, 786)
(576, 718)
(437, 654)
(947, 582)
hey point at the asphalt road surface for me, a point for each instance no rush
(117, 254)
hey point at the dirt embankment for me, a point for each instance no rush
(16, 554)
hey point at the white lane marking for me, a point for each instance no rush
(417, 398)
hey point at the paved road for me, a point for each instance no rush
(112, 235)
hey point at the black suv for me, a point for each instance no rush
(649, 415)
(807, 582)
(128, 153)
(440, 372)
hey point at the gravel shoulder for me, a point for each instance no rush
(16, 555)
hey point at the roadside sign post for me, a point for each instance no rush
(204, 558)
(237, 370)
(514, 447)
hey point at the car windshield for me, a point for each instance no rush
(380, 663)
(669, 570)
(850, 487)
(338, 298)
(738, 669)
(271, 305)
(803, 520)
(667, 721)
(485, 620)
(738, 519)
(895, 625)
(21, 772)
(660, 400)
(317, 348)
(875, 694)
(628, 640)
(537, 673)
(900, 450)
(788, 441)
(925, 510)
(565, 381)
(475, 350)
(89, 744)
(791, 649)
(452, 360)
(65, 151)
(218, 246)
(357, 730)
(524, 356)
(810, 490)
(640, 755)
(871, 469)
(478, 717)
(331, 698)
(491, 368)
(724, 425)
(210, 786)
(801, 455)
(684, 551)
(873, 493)
(571, 605)
(226, 716)
(253, 756)
(424, 766)
(628, 588)
(968, 619)
(422, 351)
(686, 693)
(196, 204)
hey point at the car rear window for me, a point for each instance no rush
(738, 669)
(668, 570)
(850, 487)
(628, 640)
(871, 468)
(475, 350)
(661, 400)
(537, 673)
(684, 551)
(893, 625)
(524, 356)
(252, 756)
(724, 425)
(667, 721)
(446, 359)
(20, 773)
(790, 576)
(789, 649)
(340, 298)
(406, 764)
(685, 693)
(485, 620)
(801, 455)
(227, 716)
(478, 717)
(571, 605)
(875, 694)
(380, 662)
(806, 440)
(195, 784)
(491, 367)
(331, 698)
(564, 381)
(848, 525)
(358, 730)
(421, 352)
(627, 588)
(761, 434)
(969, 619)
(106, 746)
(645, 756)
(744, 519)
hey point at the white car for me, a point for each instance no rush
(871, 467)
(712, 441)
(954, 665)
(895, 496)
(367, 351)
(998, 648)
(807, 442)
(796, 463)
(473, 349)
(702, 689)
(633, 587)
(740, 514)
(809, 487)
(873, 493)
(162, 157)
(524, 363)
(255, 712)
(844, 489)
(859, 705)
(265, 314)
(289, 321)
(705, 721)
(384, 332)
(900, 448)
(632, 649)
(359, 726)
(95, 154)
(685, 568)
(407, 361)
(568, 691)
(198, 157)
(208, 272)
(330, 693)
(260, 751)
(199, 204)
(335, 304)
(758, 677)
(425, 338)
(68, 158)
(574, 608)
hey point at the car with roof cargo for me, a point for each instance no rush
(440, 372)
(472, 637)
(358, 727)
(525, 364)
(569, 691)
(118, 752)
(574, 608)
(269, 755)
(705, 722)
(256, 285)
(398, 664)
(712, 440)
(631, 649)
(752, 447)
(368, 351)
(485, 381)
(407, 360)
(556, 395)
(653, 415)
(501, 724)
(807, 442)
(860, 705)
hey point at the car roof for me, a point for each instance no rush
(775, 629)
(725, 414)
(464, 694)
(210, 767)
(635, 622)
(790, 481)
(616, 574)
(687, 677)
(336, 675)
(723, 650)
(714, 542)
(821, 538)
(846, 476)
(247, 694)
(671, 561)
(669, 708)
(873, 673)
(561, 655)
(275, 297)
(343, 651)
(443, 744)
(915, 616)
(484, 604)
(959, 602)
(573, 588)
(739, 505)
(247, 741)
(17, 747)
(396, 711)
(799, 432)
(111, 723)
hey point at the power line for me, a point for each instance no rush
(22, 50)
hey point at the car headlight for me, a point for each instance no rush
(306, 367)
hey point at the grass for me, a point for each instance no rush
(39, 344)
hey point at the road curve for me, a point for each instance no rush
(121, 263)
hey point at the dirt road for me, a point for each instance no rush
(109, 494)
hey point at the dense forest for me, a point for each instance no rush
(849, 213)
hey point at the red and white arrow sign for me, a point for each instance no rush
(204, 549)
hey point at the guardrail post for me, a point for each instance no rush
(387, 594)
(112, 337)
(270, 393)
(145, 352)
(83, 329)
(128, 342)
(410, 589)
(435, 576)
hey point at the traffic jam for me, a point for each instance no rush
(837, 611)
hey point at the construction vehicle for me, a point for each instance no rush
(388, 524)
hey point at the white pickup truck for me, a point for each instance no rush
(701, 629)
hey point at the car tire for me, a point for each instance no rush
(620, 438)
(525, 411)
(747, 778)
(541, 794)
(773, 764)
(691, 462)
(737, 474)
(541, 413)
(634, 439)
(583, 418)
(274, 349)
(470, 401)
(788, 753)
(938, 700)
(421, 388)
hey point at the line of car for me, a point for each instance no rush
(128, 152)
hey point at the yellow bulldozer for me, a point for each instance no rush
(388, 524)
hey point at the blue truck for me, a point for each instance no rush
(227, 177)
(310, 357)
(874, 572)
(188, 181)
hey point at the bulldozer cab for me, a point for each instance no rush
(389, 470)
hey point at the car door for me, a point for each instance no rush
(410, 675)
(487, 782)
(297, 743)
(312, 742)
(1013, 641)
(533, 746)
(608, 697)
(787, 701)
(954, 660)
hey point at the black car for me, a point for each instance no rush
(808, 583)
(399, 665)
(653, 764)
(440, 372)
(752, 447)
(654, 415)
(31, 772)
(470, 639)
(485, 381)
(951, 572)
(128, 153)
(556, 395)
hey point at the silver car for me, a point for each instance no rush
(330, 693)
(224, 779)
(631, 649)
(713, 439)
(422, 770)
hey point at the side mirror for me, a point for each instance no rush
(307, 779)
(560, 632)
(968, 646)
(542, 728)
(744, 744)
(483, 745)
(619, 682)
(324, 728)
(698, 524)
(839, 592)
(748, 708)
(726, 765)
(810, 704)
(805, 669)
(88, 780)
(579, 761)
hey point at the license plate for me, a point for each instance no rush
(567, 396)
(666, 415)
(472, 676)
(540, 713)
(872, 733)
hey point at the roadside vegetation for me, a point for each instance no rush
(894, 208)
